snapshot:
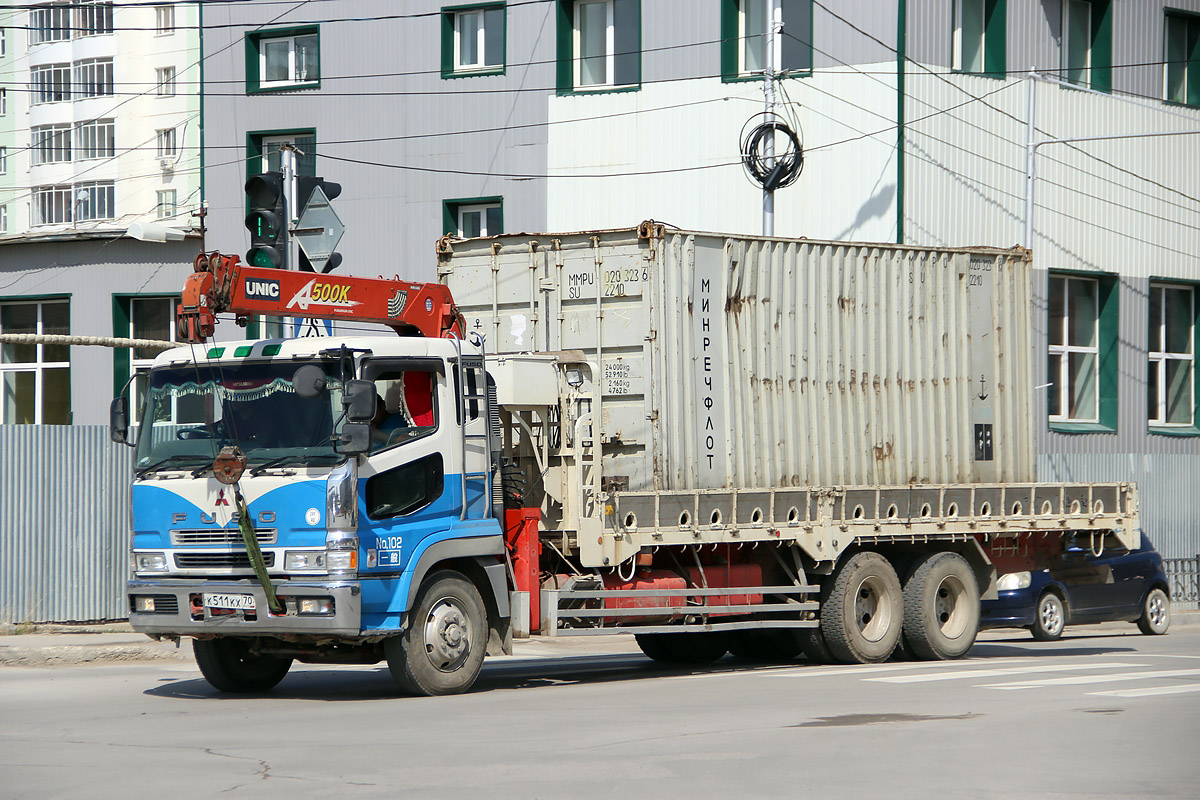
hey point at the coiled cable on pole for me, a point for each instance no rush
(781, 169)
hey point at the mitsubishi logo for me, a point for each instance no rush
(221, 501)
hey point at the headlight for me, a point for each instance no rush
(303, 559)
(341, 560)
(1014, 580)
(149, 562)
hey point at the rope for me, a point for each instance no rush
(84, 341)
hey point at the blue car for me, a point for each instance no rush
(1084, 588)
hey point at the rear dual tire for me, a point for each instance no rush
(941, 608)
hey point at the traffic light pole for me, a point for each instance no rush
(287, 165)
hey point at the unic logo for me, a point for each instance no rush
(323, 293)
(257, 288)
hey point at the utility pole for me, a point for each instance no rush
(771, 69)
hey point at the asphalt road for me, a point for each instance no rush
(1110, 714)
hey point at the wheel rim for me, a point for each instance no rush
(950, 607)
(1156, 610)
(447, 635)
(1051, 615)
(872, 613)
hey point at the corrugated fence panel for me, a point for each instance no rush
(64, 524)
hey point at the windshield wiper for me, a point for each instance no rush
(301, 458)
(142, 472)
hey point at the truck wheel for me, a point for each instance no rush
(442, 649)
(766, 644)
(812, 643)
(230, 666)
(683, 648)
(1156, 613)
(861, 610)
(941, 608)
(1049, 618)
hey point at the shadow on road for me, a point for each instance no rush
(342, 684)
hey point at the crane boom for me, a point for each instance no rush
(221, 283)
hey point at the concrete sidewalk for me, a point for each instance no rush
(69, 645)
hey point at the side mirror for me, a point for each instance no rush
(359, 401)
(118, 421)
(309, 381)
(354, 439)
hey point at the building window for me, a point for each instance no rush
(4, 219)
(263, 151)
(3, 102)
(1087, 43)
(473, 40)
(283, 59)
(1082, 357)
(166, 143)
(150, 318)
(166, 203)
(35, 379)
(745, 25)
(94, 200)
(599, 44)
(475, 216)
(3, 160)
(95, 139)
(93, 18)
(93, 78)
(165, 77)
(1170, 381)
(51, 144)
(50, 23)
(164, 19)
(980, 33)
(1181, 72)
(51, 83)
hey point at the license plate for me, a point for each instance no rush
(241, 601)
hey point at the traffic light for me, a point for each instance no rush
(304, 190)
(267, 221)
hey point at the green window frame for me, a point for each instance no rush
(127, 360)
(584, 64)
(1173, 339)
(736, 43)
(1181, 57)
(1086, 43)
(452, 211)
(1082, 352)
(303, 59)
(490, 31)
(979, 41)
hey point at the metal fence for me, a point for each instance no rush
(1184, 577)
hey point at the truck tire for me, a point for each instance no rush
(441, 651)
(1049, 618)
(1156, 613)
(941, 608)
(230, 666)
(812, 644)
(765, 644)
(862, 609)
(683, 648)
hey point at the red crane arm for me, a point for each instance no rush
(222, 284)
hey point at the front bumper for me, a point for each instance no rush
(1011, 609)
(177, 611)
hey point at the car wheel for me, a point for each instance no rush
(1156, 613)
(1049, 619)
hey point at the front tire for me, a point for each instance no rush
(862, 610)
(1049, 619)
(1156, 613)
(941, 608)
(441, 651)
(230, 666)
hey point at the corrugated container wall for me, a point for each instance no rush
(751, 362)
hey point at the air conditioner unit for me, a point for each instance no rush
(167, 165)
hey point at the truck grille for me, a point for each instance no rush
(218, 560)
(218, 537)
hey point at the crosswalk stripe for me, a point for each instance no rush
(821, 671)
(995, 673)
(1179, 688)
(1113, 678)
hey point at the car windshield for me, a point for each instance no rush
(191, 412)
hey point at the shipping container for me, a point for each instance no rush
(737, 361)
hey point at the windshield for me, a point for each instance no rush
(191, 412)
